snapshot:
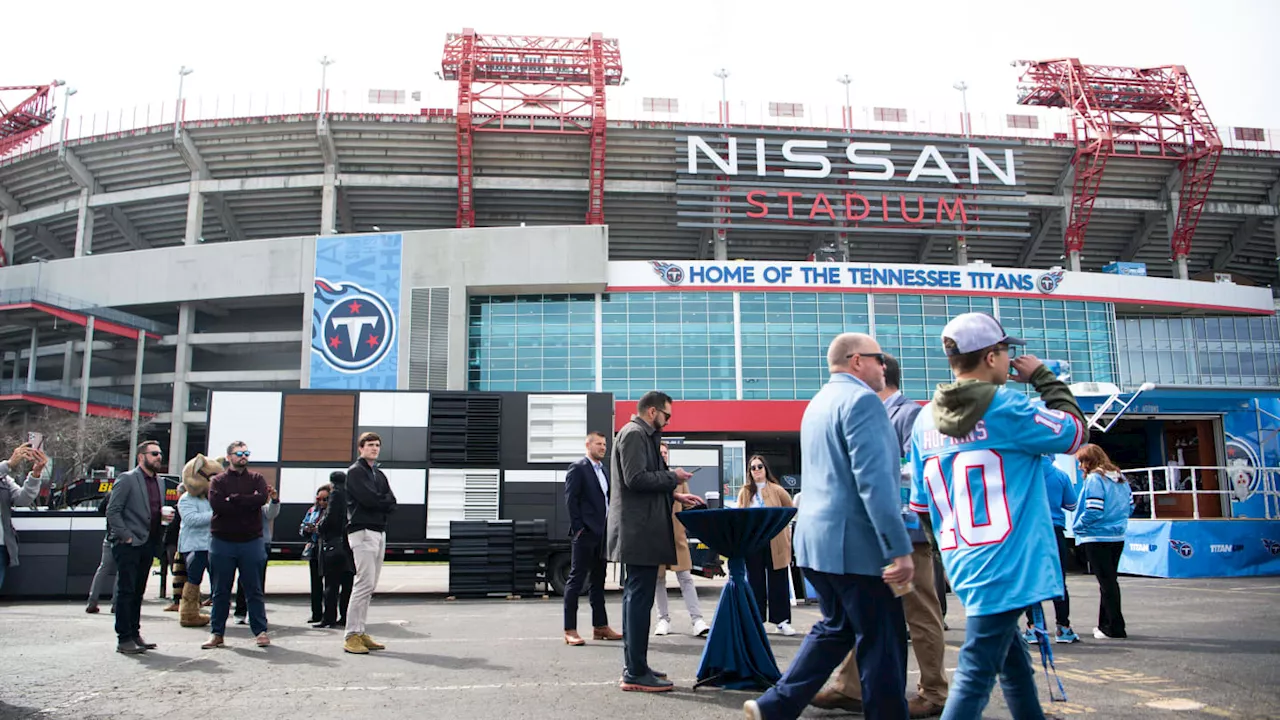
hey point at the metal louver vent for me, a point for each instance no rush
(465, 430)
(429, 338)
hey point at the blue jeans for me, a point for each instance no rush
(197, 562)
(249, 559)
(993, 647)
(859, 613)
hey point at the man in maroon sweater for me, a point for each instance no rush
(237, 497)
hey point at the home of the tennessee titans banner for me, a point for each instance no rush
(355, 313)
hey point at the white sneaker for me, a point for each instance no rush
(752, 710)
(785, 628)
(1099, 635)
(701, 628)
(663, 628)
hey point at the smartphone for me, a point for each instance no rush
(36, 441)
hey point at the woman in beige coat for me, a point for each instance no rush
(769, 571)
(682, 568)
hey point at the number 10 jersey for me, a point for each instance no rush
(985, 493)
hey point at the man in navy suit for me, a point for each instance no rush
(586, 493)
(850, 540)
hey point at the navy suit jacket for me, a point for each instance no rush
(584, 498)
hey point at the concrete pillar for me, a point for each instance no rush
(962, 251)
(137, 394)
(84, 226)
(1275, 233)
(720, 241)
(1180, 267)
(181, 393)
(84, 385)
(31, 360)
(1073, 261)
(68, 365)
(329, 201)
(195, 212)
(6, 239)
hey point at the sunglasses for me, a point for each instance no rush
(153, 453)
(757, 466)
(322, 497)
(878, 357)
(241, 453)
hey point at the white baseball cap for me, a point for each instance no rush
(975, 331)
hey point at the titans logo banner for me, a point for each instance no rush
(355, 312)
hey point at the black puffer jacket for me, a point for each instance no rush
(334, 552)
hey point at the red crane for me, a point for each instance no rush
(21, 124)
(515, 83)
(1133, 113)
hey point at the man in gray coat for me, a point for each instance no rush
(640, 532)
(133, 527)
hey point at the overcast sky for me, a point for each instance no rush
(900, 54)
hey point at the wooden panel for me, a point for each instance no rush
(318, 427)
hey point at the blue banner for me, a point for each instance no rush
(1251, 443)
(1201, 548)
(355, 314)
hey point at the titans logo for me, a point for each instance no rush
(352, 328)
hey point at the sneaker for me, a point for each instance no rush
(1067, 635)
(92, 609)
(263, 639)
(784, 628)
(663, 627)
(1029, 635)
(701, 628)
(1099, 635)
(240, 619)
(752, 710)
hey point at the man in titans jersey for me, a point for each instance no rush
(975, 453)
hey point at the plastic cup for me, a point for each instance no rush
(899, 589)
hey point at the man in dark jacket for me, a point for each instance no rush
(369, 502)
(641, 534)
(336, 565)
(133, 527)
(586, 496)
(237, 496)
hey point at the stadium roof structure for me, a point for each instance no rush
(286, 175)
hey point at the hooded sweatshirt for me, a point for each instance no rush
(975, 455)
(1108, 501)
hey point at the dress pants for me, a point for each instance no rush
(688, 591)
(587, 560)
(770, 587)
(106, 569)
(337, 595)
(317, 585)
(924, 617)
(133, 565)
(368, 547)
(858, 612)
(1104, 559)
(637, 604)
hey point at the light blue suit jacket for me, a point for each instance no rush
(850, 520)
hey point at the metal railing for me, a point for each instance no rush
(34, 295)
(1236, 483)
(1009, 122)
(54, 388)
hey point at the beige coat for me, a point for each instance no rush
(774, 496)
(683, 559)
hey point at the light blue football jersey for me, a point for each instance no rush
(986, 495)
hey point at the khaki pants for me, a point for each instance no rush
(368, 547)
(924, 617)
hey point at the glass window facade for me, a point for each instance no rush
(683, 342)
(1221, 351)
(677, 342)
(533, 343)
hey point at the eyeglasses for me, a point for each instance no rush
(878, 357)
(153, 453)
(757, 467)
(241, 453)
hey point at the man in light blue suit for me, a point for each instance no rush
(850, 539)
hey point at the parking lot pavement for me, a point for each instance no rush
(1197, 649)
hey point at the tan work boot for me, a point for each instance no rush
(604, 632)
(214, 641)
(831, 699)
(189, 614)
(371, 643)
(354, 646)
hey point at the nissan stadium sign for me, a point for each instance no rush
(831, 181)
(973, 280)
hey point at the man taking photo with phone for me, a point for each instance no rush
(14, 495)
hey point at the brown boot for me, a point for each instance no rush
(571, 637)
(829, 699)
(604, 632)
(214, 641)
(189, 614)
(918, 707)
(175, 606)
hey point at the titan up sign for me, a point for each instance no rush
(877, 183)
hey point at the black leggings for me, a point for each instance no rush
(1104, 559)
(770, 584)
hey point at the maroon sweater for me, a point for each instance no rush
(237, 500)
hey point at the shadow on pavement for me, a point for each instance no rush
(15, 712)
(276, 655)
(444, 661)
(156, 660)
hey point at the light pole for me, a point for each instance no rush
(183, 72)
(66, 118)
(964, 101)
(847, 82)
(724, 96)
(325, 62)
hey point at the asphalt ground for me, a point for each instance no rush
(1204, 648)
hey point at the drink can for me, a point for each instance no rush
(1060, 368)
